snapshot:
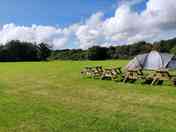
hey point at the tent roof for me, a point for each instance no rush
(153, 60)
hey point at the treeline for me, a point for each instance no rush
(114, 52)
(24, 51)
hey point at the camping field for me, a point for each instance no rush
(53, 97)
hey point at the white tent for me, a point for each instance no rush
(153, 61)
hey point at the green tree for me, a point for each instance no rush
(173, 50)
(97, 53)
(45, 51)
(20, 51)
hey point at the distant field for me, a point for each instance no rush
(53, 97)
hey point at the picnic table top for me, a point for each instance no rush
(162, 71)
(133, 70)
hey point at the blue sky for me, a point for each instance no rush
(54, 12)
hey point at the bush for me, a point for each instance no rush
(97, 53)
(23, 51)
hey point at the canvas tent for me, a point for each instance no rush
(153, 61)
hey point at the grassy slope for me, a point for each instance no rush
(52, 96)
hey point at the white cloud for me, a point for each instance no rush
(90, 33)
(157, 21)
(59, 43)
(52, 35)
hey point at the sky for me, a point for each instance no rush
(52, 12)
(85, 23)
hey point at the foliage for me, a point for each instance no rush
(97, 53)
(23, 51)
(114, 52)
(67, 54)
(173, 50)
(44, 51)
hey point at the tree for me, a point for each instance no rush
(23, 51)
(20, 51)
(97, 53)
(173, 50)
(111, 53)
(45, 51)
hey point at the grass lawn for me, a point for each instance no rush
(53, 97)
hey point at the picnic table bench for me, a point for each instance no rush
(93, 72)
(102, 73)
(133, 75)
(111, 73)
(159, 76)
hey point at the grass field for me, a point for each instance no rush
(53, 97)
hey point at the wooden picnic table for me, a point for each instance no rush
(133, 75)
(111, 73)
(159, 76)
(94, 72)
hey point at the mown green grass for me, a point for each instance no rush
(53, 97)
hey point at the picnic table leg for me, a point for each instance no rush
(102, 77)
(113, 78)
(125, 79)
(154, 81)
